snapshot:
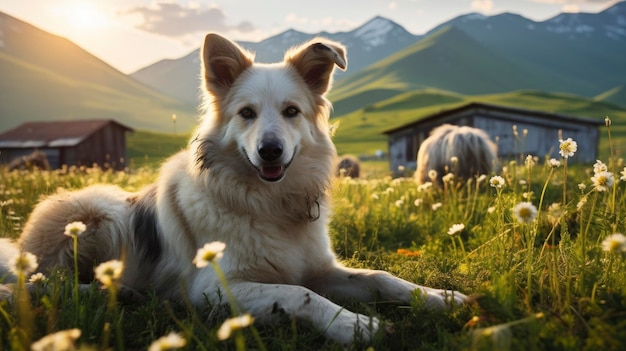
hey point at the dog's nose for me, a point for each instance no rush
(270, 150)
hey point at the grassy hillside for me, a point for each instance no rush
(165, 76)
(615, 96)
(147, 148)
(360, 132)
(46, 77)
(448, 60)
(45, 95)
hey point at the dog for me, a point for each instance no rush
(34, 160)
(255, 176)
(461, 150)
(348, 166)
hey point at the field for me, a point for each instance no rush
(554, 279)
(360, 130)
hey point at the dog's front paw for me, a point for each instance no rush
(348, 327)
(442, 297)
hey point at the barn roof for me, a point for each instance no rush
(497, 108)
(53, 134)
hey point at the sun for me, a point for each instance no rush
(83, 15)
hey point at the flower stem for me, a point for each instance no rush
(240, 345)
(76, 300)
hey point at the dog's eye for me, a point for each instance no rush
(247, 113)
(291, 111)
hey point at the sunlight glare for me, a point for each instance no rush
(84, 15)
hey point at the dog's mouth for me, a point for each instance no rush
(270, 172)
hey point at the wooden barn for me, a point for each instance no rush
(541, 138)
(79, 143)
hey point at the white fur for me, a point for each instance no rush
(475, 153)
(278, 255)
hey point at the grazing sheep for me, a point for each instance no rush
(461, 150)
(35, 159)
(348, 166)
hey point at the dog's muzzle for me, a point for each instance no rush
(271, 168)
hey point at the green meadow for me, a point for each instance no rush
(360, 129)
(538, 250)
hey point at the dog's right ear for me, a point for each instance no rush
(316, 60)
(222, 62)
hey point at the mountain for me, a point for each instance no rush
(46, 77)
(448, 60)
(372, 41)
(575, 53)
(179, 78)
(616, 96)
(582, 53)
(366, 44)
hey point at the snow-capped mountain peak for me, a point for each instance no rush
(375, 32)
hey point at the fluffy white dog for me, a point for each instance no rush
(254, 176)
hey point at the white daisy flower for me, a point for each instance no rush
(23, 262)
(59, 341)
(456, 228)
(614, 242)
(568, 147)
(496, 182)
(525, 212)
(75, 229)
(554, 163)
(168, 342)
(232, 324)
(602, 181)
(599, 166)
(210, 252)
(109, 272)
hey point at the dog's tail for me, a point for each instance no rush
(101, 209)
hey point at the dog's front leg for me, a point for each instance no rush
(267, 301)
(364, 284)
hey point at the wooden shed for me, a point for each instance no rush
(79, 143)
(541, 138)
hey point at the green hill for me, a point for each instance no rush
(448, 60)
(146, 148)
(615, 96)
(46, 77)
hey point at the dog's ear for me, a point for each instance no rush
(315, 62)
(222, 62)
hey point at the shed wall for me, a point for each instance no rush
(541, 139)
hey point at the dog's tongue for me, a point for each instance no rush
(271, 172)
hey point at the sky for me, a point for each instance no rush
(132, 34)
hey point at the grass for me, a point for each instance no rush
(543, 285)
(149, 149)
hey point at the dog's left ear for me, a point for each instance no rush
(316, 60)
(223, 61)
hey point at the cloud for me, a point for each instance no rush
(331, 23)
(571, 8)
(293, 18)
(575, 6)
(174, 20)
(574, 2)
(482, 5)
